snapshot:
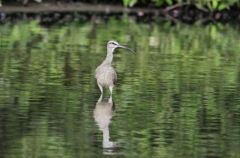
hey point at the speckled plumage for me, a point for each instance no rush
(105, 74)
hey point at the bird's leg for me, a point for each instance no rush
(100, 98)
(111, 89)
(101, 88)
(110, 99)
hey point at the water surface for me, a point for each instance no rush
(178, 96)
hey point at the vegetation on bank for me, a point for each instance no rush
(204, 4)
(210, 5)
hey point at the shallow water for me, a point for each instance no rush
(178, 96)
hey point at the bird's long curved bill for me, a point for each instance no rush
(120, 46)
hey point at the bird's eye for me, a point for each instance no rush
(110, 43)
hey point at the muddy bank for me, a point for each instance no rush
(49, 13)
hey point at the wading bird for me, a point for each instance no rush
(105, 75)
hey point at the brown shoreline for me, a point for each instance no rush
(74, 7)
(186, 13)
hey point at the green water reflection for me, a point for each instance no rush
(177, 97)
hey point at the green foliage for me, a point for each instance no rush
(218, 5)
(129, 2)
(212, 5)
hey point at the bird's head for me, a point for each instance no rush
(112, 45)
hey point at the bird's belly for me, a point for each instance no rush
(105, 80)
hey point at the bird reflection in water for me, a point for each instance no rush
(103, 113)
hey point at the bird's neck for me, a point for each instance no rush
(109, 58)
